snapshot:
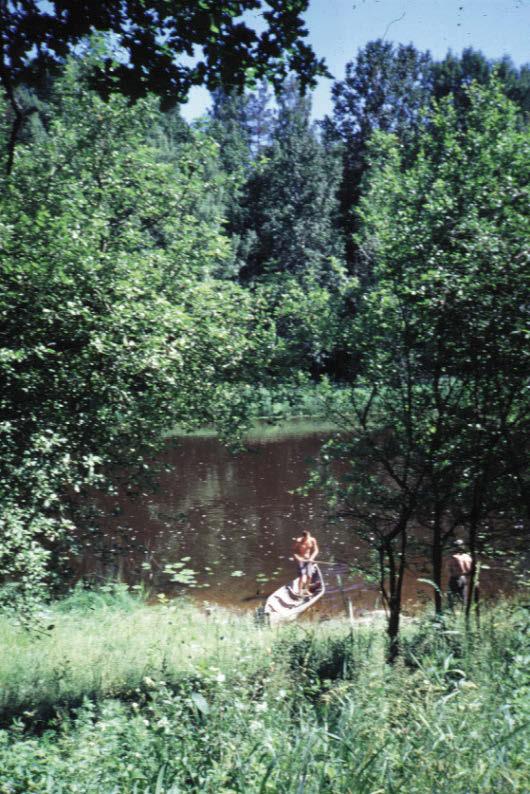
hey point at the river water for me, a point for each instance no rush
(231, 519)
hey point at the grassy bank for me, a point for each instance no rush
(122, 697)
(104, 644)
(288, 409)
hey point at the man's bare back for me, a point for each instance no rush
(460, 564)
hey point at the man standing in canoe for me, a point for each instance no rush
(305, 552)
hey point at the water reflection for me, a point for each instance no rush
(235, 517)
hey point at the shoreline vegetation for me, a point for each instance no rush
(284, 410)
(112, 694)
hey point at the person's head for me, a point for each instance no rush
(458, 545)
(305, 533)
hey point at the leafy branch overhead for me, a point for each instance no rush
(154, 44)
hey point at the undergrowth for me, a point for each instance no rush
(214, 704)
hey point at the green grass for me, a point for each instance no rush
(175, 701)
(284, 411)
(262, 430)
(105, 644)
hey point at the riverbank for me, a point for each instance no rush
(284, 410)
(116, 696)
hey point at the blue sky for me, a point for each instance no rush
(338, 28)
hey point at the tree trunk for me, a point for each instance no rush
(396, 589)
(472, 590)
(19, 117)
(474, 520)
(393, 630)
(437, 561)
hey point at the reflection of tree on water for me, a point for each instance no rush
(233, 514)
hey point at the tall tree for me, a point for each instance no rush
(386, 88)
(241, 124)
(113, 327)
(389, 88)
(259, 119)
(291, 202)
(454, 75)
(289, 246)
(516, 82)
(439, 415)
(228, 126)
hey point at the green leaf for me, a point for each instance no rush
(201, 703)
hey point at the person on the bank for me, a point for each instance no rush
(460, 564)
(305, 552)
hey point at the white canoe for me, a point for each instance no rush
(286, 603)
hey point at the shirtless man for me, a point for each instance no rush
(459, 573)
(305, 552)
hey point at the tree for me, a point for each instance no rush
(516, 83)
(460, 219)
(386, 88)
(241, 124)
(148, 37)
(260, 119)
(148, 41)
(228, 126)
(290, 204)
(455, 74)
(288, 245)
(113, 327)
(390, 88)
(439, 415)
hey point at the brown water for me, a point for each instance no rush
(235, 516)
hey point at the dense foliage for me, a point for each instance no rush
(149, 40)
(114, 327)
(155, 273)
(388, 88)
(437, 427)
(174, 701)
(149, 47)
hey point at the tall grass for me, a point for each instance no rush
(104, 644)
(303, 710)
